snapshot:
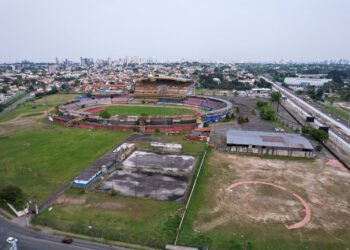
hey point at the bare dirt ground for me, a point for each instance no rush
(325, 188)
(21, 121)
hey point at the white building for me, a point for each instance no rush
(301, 83)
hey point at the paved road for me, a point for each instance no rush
(29, 239)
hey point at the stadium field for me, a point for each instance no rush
(149, 110)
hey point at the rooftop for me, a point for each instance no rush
(268, 139)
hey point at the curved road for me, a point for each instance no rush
(29, 239)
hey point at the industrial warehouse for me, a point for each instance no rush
(268, 143)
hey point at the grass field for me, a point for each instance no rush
(254, 217)
(37, 106)
(152, 111)
(39, 156)
(127, 219)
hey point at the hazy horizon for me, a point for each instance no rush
(240, 30)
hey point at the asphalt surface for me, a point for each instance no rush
(29, 239)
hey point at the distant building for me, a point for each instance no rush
(268, 143)
(301, 83)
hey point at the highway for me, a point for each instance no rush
(29, 239)
(339, 132)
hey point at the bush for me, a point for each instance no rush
(237, 110)
(268, 114)
(13, 195)
(276, 96)
(241, 120)
(261, 104)
(318, 148)
(317, 134)
(305, 130)
(105, 114)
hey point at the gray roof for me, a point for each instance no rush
(268, 139)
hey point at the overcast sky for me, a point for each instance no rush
(234, 30)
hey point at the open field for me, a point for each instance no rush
(254, 216)
(39, 156)
(37, 106)
(128, 219)
(151, 111)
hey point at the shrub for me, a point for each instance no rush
(13, 195)
(241, 120)
(276, 96)
(261, 104)
(318, 148)
(268, 114)
(105, 114)
(305, 130)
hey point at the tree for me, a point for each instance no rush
(275, 96)
(268, 114)
(319, 134)
(105, 114)
(13, 195)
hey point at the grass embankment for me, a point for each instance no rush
(342, 113)
(151, 111)
(37, 106)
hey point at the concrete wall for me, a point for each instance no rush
(271, 151)
(122, 127)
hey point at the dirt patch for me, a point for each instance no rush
(70, 200)
(322, 187)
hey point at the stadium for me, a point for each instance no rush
(157, 104)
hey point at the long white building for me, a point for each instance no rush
(300, 83)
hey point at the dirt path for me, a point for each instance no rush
(297, 225)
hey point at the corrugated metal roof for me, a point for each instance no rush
(268, 139)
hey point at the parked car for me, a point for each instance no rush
(67, 240)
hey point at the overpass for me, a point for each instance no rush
(339, 133)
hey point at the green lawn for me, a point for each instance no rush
(41, 160)
(152, 111)
(127, 219)
(39, 156)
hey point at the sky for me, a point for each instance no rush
(229, 30)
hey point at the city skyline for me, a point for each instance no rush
(249, 31)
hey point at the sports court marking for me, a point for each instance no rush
(307, 209)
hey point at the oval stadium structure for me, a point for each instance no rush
(84, 111)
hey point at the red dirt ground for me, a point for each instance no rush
(297, 225)
(94, 110)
